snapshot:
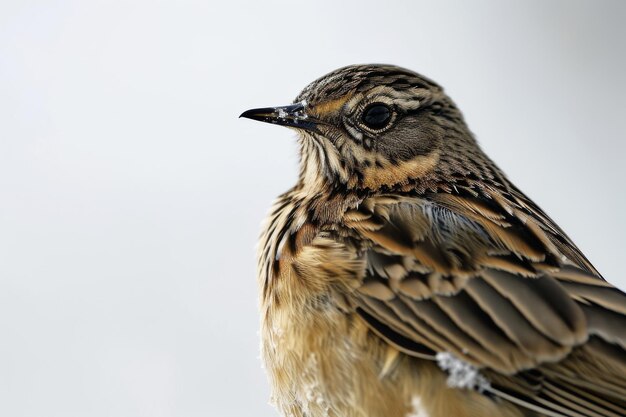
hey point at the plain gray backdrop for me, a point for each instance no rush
(131, 194)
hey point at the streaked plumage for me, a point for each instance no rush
(403, 245)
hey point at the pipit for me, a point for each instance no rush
(405, 275)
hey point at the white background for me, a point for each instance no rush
(131, 195)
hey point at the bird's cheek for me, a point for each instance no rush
(384, 173)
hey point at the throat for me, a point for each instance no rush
(320, 166)
(312, 173)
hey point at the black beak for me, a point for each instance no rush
(293, 115)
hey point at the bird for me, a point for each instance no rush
(404, 275)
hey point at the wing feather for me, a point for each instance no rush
(488, 277)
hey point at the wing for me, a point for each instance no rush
(486, 276)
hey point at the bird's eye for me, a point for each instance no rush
(376, 116)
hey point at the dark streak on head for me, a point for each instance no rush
(361, 78)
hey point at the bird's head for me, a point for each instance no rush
(372, 127)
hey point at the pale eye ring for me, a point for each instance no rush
(377, 116)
